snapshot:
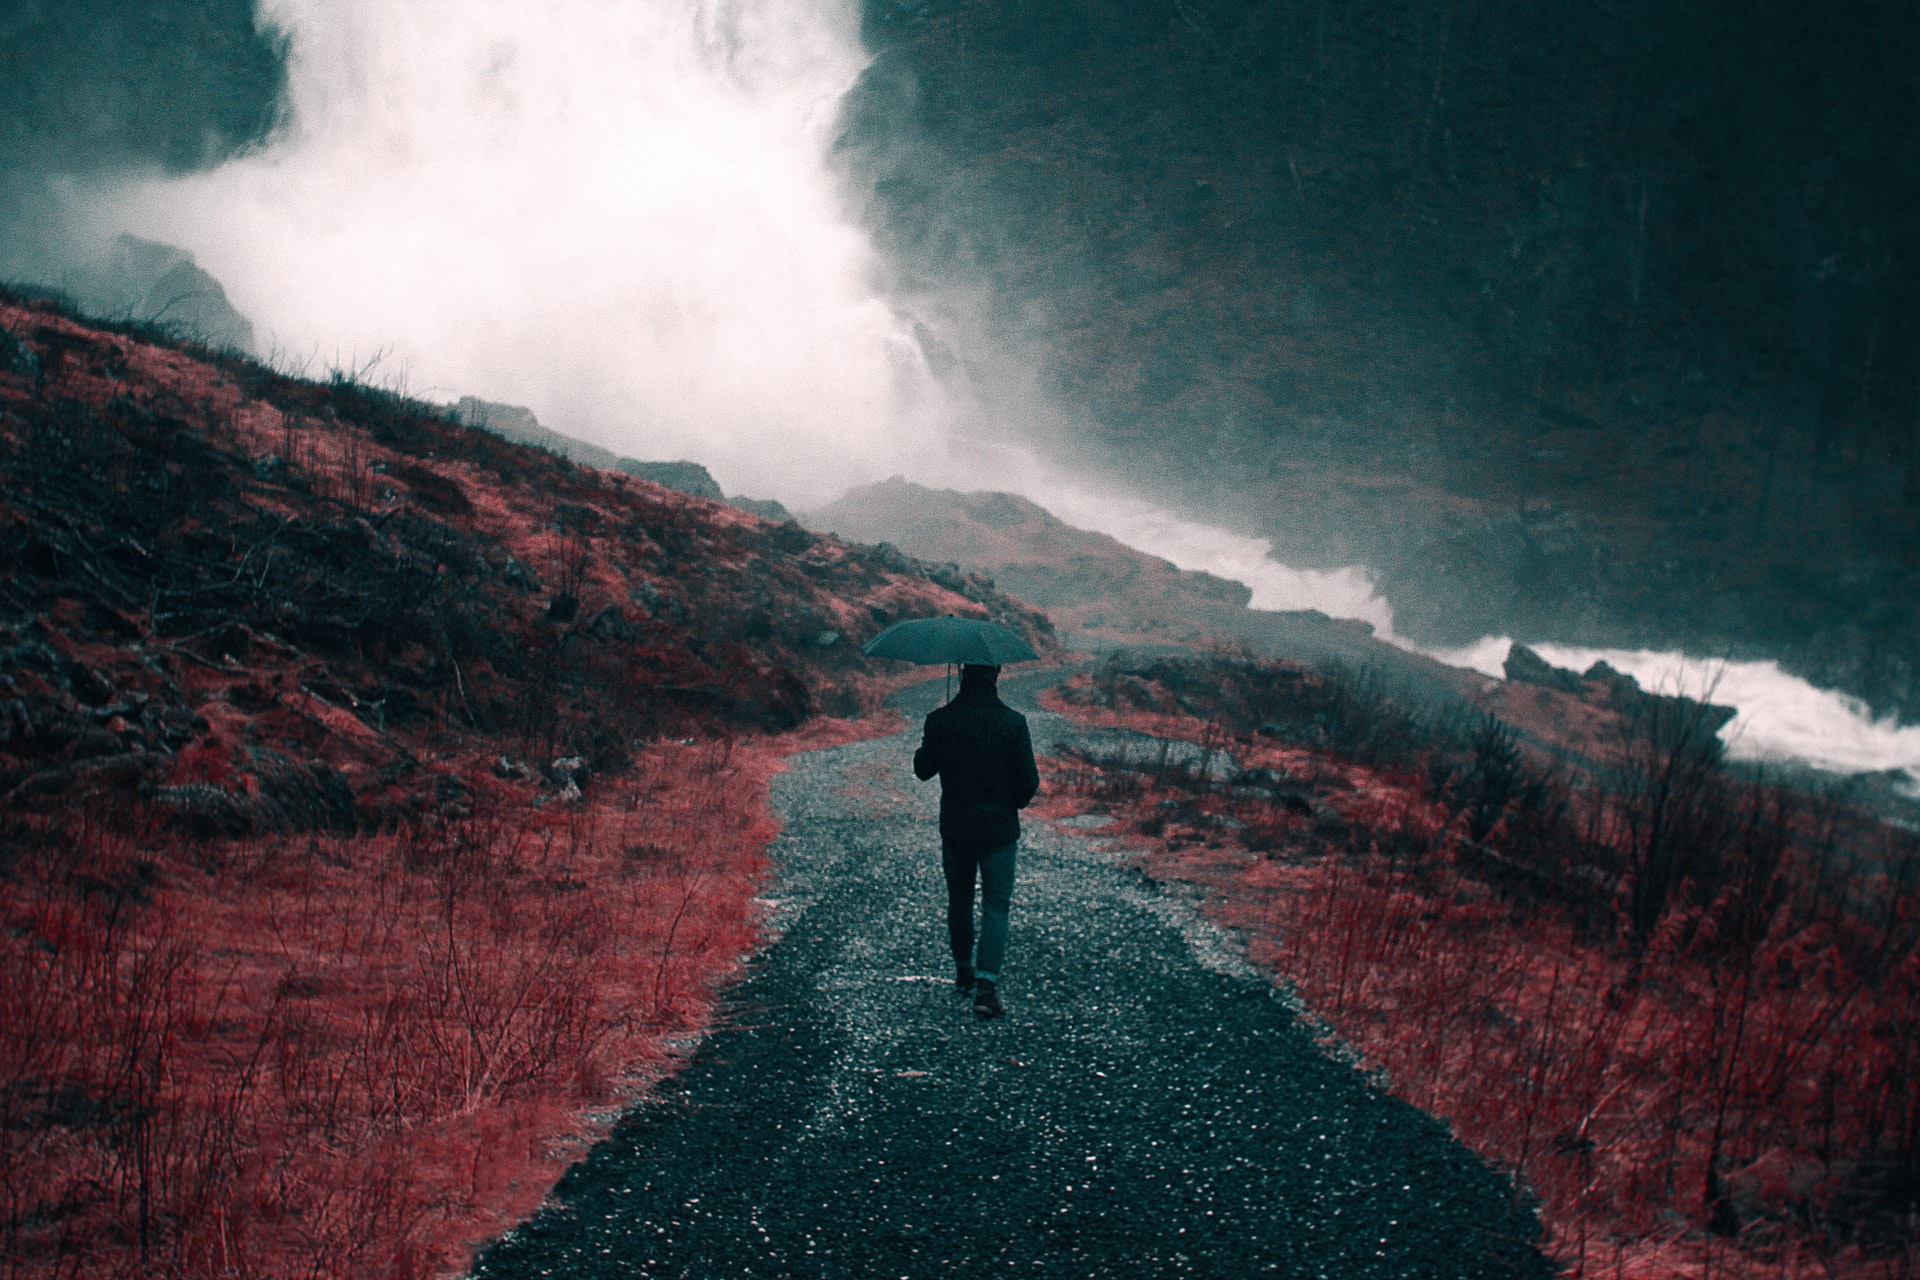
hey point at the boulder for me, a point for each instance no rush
(1524, 666)
(1624, 694)
(17, 358)
(765, 508)
(161, 284)
(686, 477)
(517, 423)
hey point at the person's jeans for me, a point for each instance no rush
(995, 867)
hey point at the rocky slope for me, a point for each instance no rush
(323, 578)
(379, 799)
(1089, 583)
(1102, 593)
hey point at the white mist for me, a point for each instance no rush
(615, 212)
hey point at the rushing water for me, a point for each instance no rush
(620, 212)
(1781, 717)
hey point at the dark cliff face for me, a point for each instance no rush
(95, 83)
(92, 86)
(1582, 322)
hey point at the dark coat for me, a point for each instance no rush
(980, 748)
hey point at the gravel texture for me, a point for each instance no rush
(1149, 1107)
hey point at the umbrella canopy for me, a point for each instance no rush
(932, 641)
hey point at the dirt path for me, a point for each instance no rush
(1149, 1106)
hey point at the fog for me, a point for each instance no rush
(618, 214)
(624, 216)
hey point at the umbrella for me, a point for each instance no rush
(950, 639)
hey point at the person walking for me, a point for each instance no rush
(980, 750)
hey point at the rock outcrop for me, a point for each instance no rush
(1603, 685)
(518, 424)
(160, 284)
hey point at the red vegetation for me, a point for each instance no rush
(378, 801)
(352, 1055)
(1718, 1078)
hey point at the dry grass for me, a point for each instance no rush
(328, 1056)
(354, 860)
(1717, 1079)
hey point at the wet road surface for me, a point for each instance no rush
(1149, 1106)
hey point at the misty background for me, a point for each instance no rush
(1567, 319)
(1588, 325)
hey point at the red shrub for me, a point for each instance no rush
(351, 862)
(1724, 1085)
(349, 1055)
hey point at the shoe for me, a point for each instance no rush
(963, 978)
(986, 1001)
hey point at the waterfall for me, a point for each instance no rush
(621, 214)
(616, 212)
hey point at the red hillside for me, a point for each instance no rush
(376, 797)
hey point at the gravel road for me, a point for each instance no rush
(1148, 1107)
